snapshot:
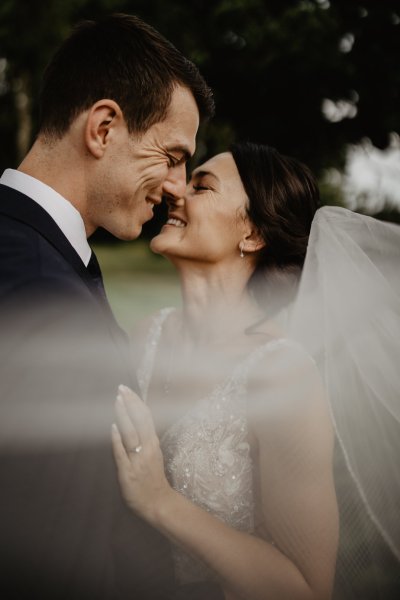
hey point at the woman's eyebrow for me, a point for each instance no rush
(203, 173)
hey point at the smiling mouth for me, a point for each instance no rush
(176, 222)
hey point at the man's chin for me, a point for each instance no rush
(128, 234)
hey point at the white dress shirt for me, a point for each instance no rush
(57, 207)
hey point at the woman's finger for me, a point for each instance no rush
(138, 412)
(120, 455)
(127, 430)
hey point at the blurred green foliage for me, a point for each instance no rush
(271, 63)
(138, 282)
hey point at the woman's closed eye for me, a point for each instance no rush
(199, 188)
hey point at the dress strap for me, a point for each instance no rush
(145, 367)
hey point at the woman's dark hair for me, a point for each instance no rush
(283, 197)
(122, 58)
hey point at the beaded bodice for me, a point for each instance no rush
(206, 452)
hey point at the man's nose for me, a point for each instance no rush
(175, 184)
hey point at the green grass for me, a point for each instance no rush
(137, 281)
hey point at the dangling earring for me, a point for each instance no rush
(241, 250)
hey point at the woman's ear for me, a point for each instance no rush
(252, 242)
(102, 120)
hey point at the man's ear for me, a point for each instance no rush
(103, 117)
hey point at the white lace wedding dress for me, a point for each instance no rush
(346, 319)
(206, 452)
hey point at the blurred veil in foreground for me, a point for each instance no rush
(347, 316)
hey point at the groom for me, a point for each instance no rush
(120, 109)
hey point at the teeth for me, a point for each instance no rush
(176, 222)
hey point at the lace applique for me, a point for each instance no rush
(207, 454)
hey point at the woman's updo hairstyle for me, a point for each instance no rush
(283, 197)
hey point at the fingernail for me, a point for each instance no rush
(122, 388)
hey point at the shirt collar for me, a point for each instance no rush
(60, 210)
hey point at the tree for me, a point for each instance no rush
(306, 76)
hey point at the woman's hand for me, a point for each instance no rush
(138, 456)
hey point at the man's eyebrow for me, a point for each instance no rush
(203, 173)
(186, 154)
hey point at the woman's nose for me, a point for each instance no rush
(174, 201)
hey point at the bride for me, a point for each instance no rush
(229, 451)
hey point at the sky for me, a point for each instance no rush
(371, 179)
(372, 176)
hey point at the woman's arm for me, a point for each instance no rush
(295, 454)
(297, 497)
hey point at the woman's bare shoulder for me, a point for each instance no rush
(285, 387)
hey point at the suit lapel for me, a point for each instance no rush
(20, 207)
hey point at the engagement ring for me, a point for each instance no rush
(135, 450)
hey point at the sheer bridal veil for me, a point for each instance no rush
(347, 316)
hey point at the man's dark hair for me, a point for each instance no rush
(122, 58)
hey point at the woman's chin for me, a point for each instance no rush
(155, 245)
(159, 245)
(166, 241)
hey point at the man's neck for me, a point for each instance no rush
(54, 164)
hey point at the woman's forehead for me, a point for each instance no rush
(221, 165)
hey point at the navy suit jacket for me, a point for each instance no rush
(64, 531)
